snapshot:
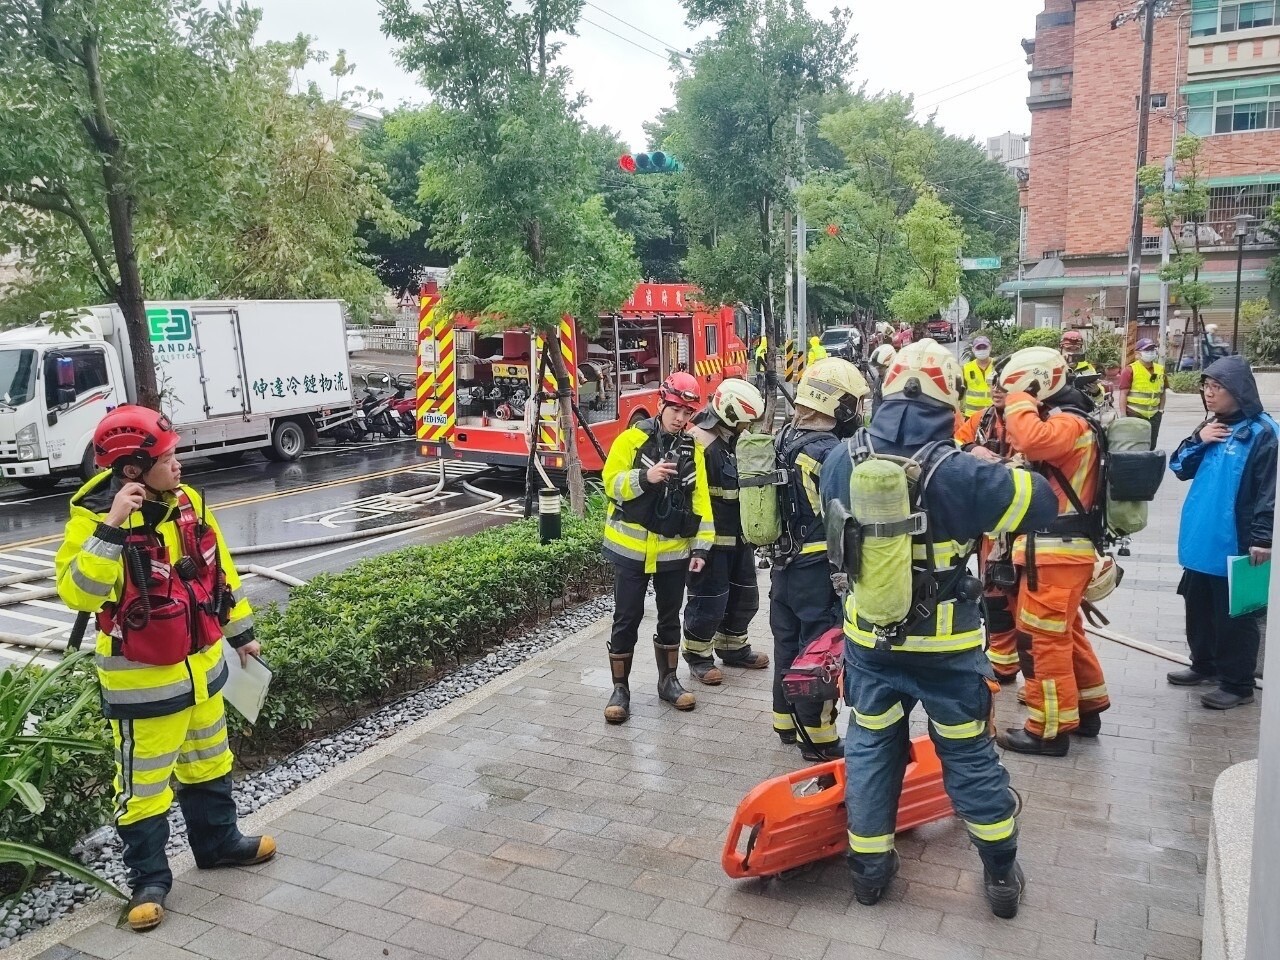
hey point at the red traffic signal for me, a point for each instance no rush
(627, 163)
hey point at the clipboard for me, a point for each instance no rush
(246, 686)
(1247, 586)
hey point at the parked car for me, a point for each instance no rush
(843, 342)
(941, 330)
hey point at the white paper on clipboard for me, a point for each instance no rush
(246, 686)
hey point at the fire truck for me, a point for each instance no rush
(478, 392)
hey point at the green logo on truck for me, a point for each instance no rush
(169, 324)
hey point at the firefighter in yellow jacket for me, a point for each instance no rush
(143, 552)
(659, 527)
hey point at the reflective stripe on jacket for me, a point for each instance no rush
(722, 483)
(977, 391)
(1066, 441)
(90, 573)
(1147, 389)
(630, 543)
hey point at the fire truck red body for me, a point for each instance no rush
(477, 391)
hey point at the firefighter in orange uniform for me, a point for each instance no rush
(983, 435)
(1046, 421)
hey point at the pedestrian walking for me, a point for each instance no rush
(1230, 460)
(143, 552)
(658, 529)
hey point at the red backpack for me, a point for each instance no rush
(817, 674)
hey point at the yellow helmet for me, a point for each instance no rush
(829, 381)
(1039, 371)
(931, 367)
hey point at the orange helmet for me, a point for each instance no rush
(682, 390)
(134, 436)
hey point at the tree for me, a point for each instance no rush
(398, 144)
(733, 127)
(933, 239)
(884, 151)
(107, 109)
(1181, 210)
(510, 176)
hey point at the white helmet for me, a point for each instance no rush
(736, 402)
(829, 381)
(932, 369)
(1039, 371)
(883, 355)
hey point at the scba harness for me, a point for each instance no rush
(666, 509)
(169, 611)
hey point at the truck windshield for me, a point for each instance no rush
(17, 376)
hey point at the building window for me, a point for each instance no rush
(1234, 110)
(1211, 17)
(711, 343)
(1227, 203)
(1151, 244)
(1051, 254)
(1158, 101)
(1022, 234)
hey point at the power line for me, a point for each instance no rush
(672, 47)
(638, 46)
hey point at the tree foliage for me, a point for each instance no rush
(734, 128)
(1179, 210)
(509, 173)
(932, 240)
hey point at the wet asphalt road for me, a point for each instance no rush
(329, 491)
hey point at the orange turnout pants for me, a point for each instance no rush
(1064, 677)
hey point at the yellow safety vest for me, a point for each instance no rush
(816, 351)
(1148, 387)
(977, 391)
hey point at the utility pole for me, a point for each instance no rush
(1166, 243)
(1147, 11)
(802, 237)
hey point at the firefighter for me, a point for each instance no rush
(163, 701)
(658, 528)
(723, 596)
(1073, 352)
(935, 658)
(977, 375)
(802, 601)
(1046, 422)
(881, 357)
(983, 435)
(1140, 388)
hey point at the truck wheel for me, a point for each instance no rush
(88, 469)
(288, 440)
(39, 484)
(227, 459)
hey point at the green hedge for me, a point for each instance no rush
(1185, 381)
(351, 640)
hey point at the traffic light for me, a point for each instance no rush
(656, 162)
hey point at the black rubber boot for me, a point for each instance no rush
(788, 737)
(704, 670)
(146, 908)
(1019, 741)
(1004, 893)
(1189, 678)
(822, 752)
(746, 658)
(244, 852)
(1090, 725)
(619, 707)
(669, 688)
(869, 895)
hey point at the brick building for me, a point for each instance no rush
(1215, 73)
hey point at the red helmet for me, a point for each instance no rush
(134, 435)
(681, 389)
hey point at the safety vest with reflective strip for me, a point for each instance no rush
(1147, 388)
(977, 391)
(630, 543)
(90, 572)
(722, 481)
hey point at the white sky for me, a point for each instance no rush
(961, 56)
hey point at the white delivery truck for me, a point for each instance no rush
(234, 376)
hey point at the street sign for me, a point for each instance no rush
(979, 263)
(957, 311)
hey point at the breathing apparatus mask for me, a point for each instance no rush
(848, 417)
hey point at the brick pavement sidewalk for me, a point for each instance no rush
(517, 824)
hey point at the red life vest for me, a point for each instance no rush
(166, 611)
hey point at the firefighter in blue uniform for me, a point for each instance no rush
(723, 596)
(936, 660)
(802, 602)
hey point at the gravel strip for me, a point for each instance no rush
(57, 896)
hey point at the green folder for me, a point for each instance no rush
(1247, 585)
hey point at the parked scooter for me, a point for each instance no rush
(404, 405)
(373, 414)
